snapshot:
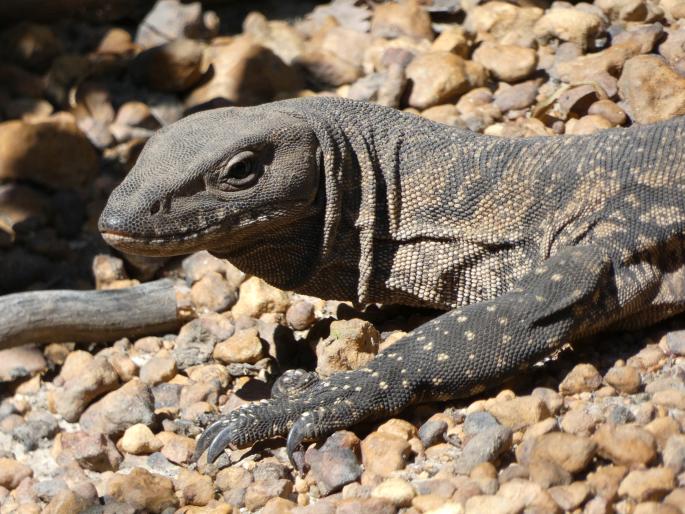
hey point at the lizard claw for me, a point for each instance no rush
(207, 438)
(304, 408)
(220, 442)
(296, 437)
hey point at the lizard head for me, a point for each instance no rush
(216, 180)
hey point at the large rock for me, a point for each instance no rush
(391, 20)
(652, 89)
(437, 78)
(510, 63)
(503, 21)
(245, 73)
(172, 67)
(146, 491)
(171, 19)
(51, 152)
(573, 25)
(114, 413)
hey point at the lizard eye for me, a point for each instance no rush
(240, 172)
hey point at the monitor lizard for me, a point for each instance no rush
(526, 243)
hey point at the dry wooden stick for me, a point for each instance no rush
(59, 316)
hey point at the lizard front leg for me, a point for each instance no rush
(457, 354)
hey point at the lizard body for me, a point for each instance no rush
(527, 243)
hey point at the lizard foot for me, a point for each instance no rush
(305, 408)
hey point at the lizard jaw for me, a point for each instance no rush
(159, 246)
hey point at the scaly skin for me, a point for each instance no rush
(527, 243)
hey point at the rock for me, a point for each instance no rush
(582, 378)
(491, 504)
(92, 451)
(651, 100)
(447, 114)
(674, 9)
(39, 427)
(571, 496)
(172, 67)
(655, 508)
(485, 446)
(347, 44)
(625, 379)
(244, 346)
(170, 20)
(605, 481)
(257, 297)
(648, 484)
(276, 35)
(91, 378)
(143, 490)
(139, 440)
(509, 63)
(108, 269)
(676, 498)
(336, 463)
(587, 125)
(519, 412)
(261, 491)
(300, 315)
(519, 96)
(245, 73)
(391, 20)
(158, 369)
(66, 502)
(278, 506)
(570, 452)
(51, 151)
(366, 505)
(436, 78)
(384, 453)
(397, 491)
(12, 473)
(662, 429)
(675, 342)
(21, 362)
(30, 45)
(452, 39)
(213, 293)
(505, 22)
(202, 263)
(476, 422)
(195, 343)
(351, 344)
(566, 24)
(177, 448)
(625, 444)
(670, 398)
(548, 474)
(624, 10)
(642, 37)
(674, 453)
(530, 494)
(196, 489)
(30, 108)
(132, 403)
(432, 432)
(328, 68)
(673, 49)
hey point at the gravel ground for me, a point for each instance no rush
(111, 428)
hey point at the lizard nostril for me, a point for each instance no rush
(155, 207)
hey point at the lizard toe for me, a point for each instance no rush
(208, 437)
(293, 383)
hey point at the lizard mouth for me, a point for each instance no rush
(162, 244)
